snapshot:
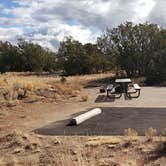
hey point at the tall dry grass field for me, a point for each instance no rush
(19, 86)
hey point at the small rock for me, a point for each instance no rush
(125, 150)
(45, 93)
(73, 152)
(111, 146)
(55, 142)
(11, 104)
(37, 150)
(52, 90)
(18, 150)
(31, 100)
(146, 150)
(22, 116)
(32, 146)
(107, 162)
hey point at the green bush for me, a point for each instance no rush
(63, 80)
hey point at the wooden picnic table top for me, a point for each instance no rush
(123, 80)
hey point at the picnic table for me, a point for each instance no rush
(123, 83)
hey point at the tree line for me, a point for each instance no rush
(139, 50)
(25, 56)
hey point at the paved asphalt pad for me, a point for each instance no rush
(112, 121)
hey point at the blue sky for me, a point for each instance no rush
(47, 22)
(9, 3)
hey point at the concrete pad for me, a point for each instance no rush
(112, 121)
(149, 97)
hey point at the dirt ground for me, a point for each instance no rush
(28, 116)
(19, 145)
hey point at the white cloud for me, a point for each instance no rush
(143, 8)
(50, 35)
(47, 21)
(157, 15)
(10, 34)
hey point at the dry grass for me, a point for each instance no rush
(18, 148)
(164, 132)
(84, 98)
(97, 141)
(85, 78)
(18, 86)
(150, 133)
(28, 149)
(131, 134)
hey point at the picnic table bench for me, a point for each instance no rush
(114, 90)
(122, 86)
(137, 89)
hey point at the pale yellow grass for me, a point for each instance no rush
(150, 133)
(85, 78)
(14, 86)
(44, 82)
(30, 81)
(100, 140)
(111, 140)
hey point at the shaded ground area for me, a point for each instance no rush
(112, 121)
(104, 98)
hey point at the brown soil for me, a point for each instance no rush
(20, 146)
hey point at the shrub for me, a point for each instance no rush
(164, 132)
(63, 79)
(153, 79)
(19, 89)
(150, 133)
(130, 132)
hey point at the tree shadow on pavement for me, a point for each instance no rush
(104, 98)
